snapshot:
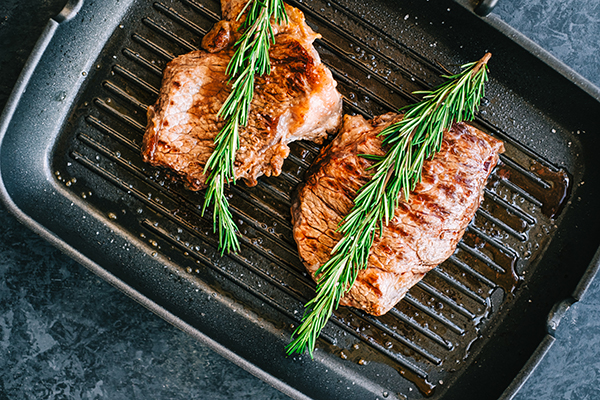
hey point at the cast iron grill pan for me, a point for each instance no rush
(430, 344)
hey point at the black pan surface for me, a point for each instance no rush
(71, 169)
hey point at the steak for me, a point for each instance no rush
(297, 101)
(424, 230)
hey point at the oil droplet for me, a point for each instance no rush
(60, 96)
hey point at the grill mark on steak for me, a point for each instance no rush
(297, 101)
(424, 230)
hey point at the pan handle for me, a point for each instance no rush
(485, 7)
(70, 10)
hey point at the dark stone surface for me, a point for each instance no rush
(571, 368)
(21, 23)
(66, 334)
(568, 29)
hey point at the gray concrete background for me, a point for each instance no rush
(568, 29)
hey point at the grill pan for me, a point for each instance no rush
(71, 170)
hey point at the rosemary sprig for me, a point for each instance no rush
(250, 58)
(410, 141)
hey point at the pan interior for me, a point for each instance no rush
(379, 54)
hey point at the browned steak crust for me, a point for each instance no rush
(298, 100)
(424, 231)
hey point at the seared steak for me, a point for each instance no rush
(298, 100)
(423, 232)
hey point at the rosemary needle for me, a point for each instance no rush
(250, 58)
(410, 141)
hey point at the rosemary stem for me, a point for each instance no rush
(409, 142)
(250, 58)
